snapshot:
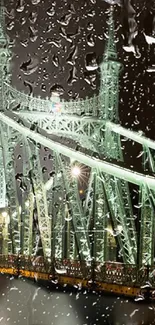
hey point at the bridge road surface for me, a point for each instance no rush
(25, 303)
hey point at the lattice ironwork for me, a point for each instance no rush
(66, 230)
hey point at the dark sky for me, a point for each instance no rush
(54, 43)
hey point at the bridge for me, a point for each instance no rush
(51, 227)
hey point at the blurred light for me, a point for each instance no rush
(4, 214)
(81, 191)
(27, 204)
(120, 228)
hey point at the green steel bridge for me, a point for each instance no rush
(51, 214)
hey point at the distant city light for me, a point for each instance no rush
(4, 214)
(120, 228)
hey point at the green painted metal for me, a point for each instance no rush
(44, 220)
(27, 207)
(9, 139)
(147, 205)
(75, 212)
(58, 210)
(66, 230)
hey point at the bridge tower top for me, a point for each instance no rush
(110, 52)
(109, 70)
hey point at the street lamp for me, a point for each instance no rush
(76, 171)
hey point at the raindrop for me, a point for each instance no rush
(65, 20)
(45, 76)
(33, 34)
(33, 17)
(68, 218)
(51, 11)
(72, 56)
(23, 21)
(90, 40)
(72, 9)
(24, 43)
(45, 59)
(60, 271)
(20, 6)
(90, 78)
(72, 76)
(35, 2)
(90, 26)
(55, 42)
(91, 13)
(90, 62)
(43, 87)
(49, 28)
(29, 66)
(44, 170)
(30, 85)
(101, 37)
(113, 2)
(11, 14)
(57, 88)
(10, 25)
(55, 60)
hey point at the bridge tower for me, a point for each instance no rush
(110, 69)
(116, 197)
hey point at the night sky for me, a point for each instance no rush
(56, 41)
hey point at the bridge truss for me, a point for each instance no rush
(50, 217)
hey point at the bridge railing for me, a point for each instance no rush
(77, 269)
(121, 273)
(108, 272)
(8, 261)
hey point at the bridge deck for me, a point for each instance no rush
(116, 278)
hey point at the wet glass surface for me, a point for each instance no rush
(58, 48)
(25, 303)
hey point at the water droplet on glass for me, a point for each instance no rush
(90, 40)
(33, 17)
(20, 6)
(90, 62)
(35, 2)
(65, 20)
(57, 88)
(24, 43)
(33, 34)
(90, 26)
(55, 60)
(29, 66)
(72, 76)
(10, 25)
(51, 11)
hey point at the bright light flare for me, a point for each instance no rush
(76, 171)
